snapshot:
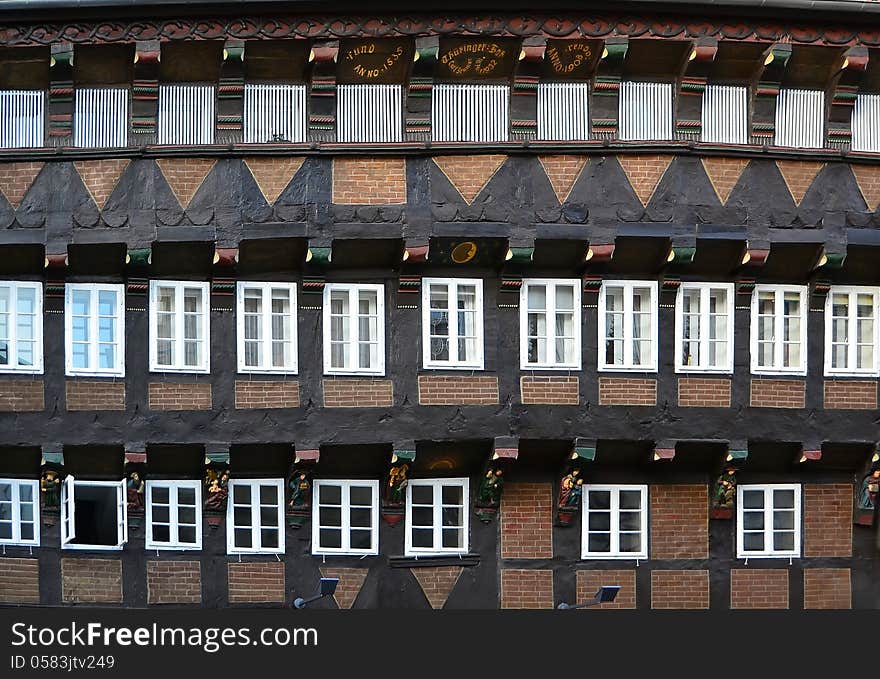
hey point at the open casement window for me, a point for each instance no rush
(345, 517)
(94, 514)
(704, 328)
(94, 329)
(851, 331)
(21, 327)
(550, 327)
(628, 326)
(267, 327)
(255, 517)
(174, 514)
(768, 519)
(354, 329)
(436, 517)
(19, 512)
(179, 326)
(779, 329)
(452, 323)
(615, 522)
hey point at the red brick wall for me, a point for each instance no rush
(703, 392)
(185, 176)
(469, 174)
(100, 177)
(827, 588)
(91, 580)
(759, 588)
(95, 395)
(437, 582)
(174, 582)
(350, 582)
(19, 396)
(679, 589)
(828, 519)
(679, 521)
(263, 394)
(589, 582)
(449, 390)
(850, 395)
(369, 181)
(19, 581)
(777, 393)
(256, 583)
(563, 171)
(526, 589)
(180, 396)
(356, 393)
(644, 172)
(798, 175)
(16, 179)
(627, 391)
(527, 521)
(550, 389)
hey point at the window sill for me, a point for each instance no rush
(852, 375)
(717, 372)
(472, 368)
(430, 560)
(161, 370)
(14, 371)
(786, 374)
(120, 375)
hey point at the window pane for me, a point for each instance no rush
(783, 541)
(423, 538)
(361, 539)
(186, 515)
(452, 517)
(161, 514)
(159, 494)
(26, 492)
(630, 542)
(630, 499)
(330, 538)
(269, 538)
(599, 499)
(161, 533)
(783, 498)
(268, 495)
(452, 495)
(268, 516)
(186, 496)
(361, 518)
(422, 516)
(599, 521)
(599, 542)
(783, 519)
(753, 499)
(27, 531)
(361, 495)
(187, 535)
(753, 542)
(329, 495)
(422, 495)
(330, 516)
(452, 538)
(753, 520)
(630, 521)
(243, 538)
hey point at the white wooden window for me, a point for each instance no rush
(725, 114)
(179, 326)
(100, 117)
(436, 516)
(704, 327)
(255, 516)
(851, 331)
(800, 118)
(19, 512)
(369, 113)
(94, 514)
(354, 329)
(345, 517)
(645, 111)
(564, 111)
(266, 321)
(186, 114)
(779, 329)
(174, 514)
(452, 323)
(550, 324)
(274, 113)
(22, 118)
(476, 113)
(768, 519)
(628, 333)
(21, 327)
(615, 522)
(866, 123)
(94, 329)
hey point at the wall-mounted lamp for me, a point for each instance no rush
(606, 594)
(327, 588)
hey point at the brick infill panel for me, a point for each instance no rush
(256, 583)
(526, 588)
(91, 581)
(827, 588)
(358, 393)
(527, 521)
(769, 393)
(704, 392)
(180, 396)
(19, 581)
(759, 588)
(94, 395)
(451, 390)
(549, 389)
(850, 395)
(679, 521)
(589, 582)
(828, 519)
(369, 181)
(250, 394)
(680, 589)
(627, 391)
(21, 396)
(174, 582)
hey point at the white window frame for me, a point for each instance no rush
(437, 486)
(452, 286)
(68, 513)
(550, 285)
(628, 366)
(852, 291)
(778, 322)
(266, 315)
(16, 503)
(768, 489)
(705, 289)
(352, 343)
(94, 290)
(178, 340)
(14, 287)
(256, 525)
(173, 515)
(345, 486)
(614, 552)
